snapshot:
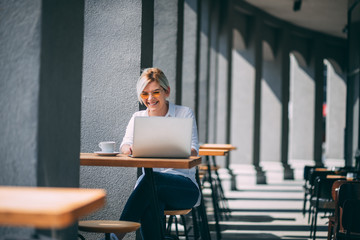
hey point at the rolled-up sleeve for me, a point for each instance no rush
(194, 140)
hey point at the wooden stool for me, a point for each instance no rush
(172, 214)
(107, 227)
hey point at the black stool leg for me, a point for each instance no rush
(201, 210)
(215, 199)
(195, 223)
(107, 236)
(176, 226)
(170, 220)
(81, 236)
(185, 228)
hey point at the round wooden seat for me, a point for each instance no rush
(176, 212)
(108, 226)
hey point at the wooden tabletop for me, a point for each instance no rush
(212, 152)
(218, 146)
(121, 160)
(47, 207)
(335, 177)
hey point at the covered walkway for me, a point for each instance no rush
(271, 211)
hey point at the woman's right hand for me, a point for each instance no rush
(126, 149)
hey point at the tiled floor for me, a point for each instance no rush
(271, 211)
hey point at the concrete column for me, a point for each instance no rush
(285, 97)
(223, 76)
(204, 46)
(317, 64)
(274, 101)
(168, 43)
(242, 92)
(302, 99)
(353, 77)
(223, 115)
(40, 94)
(213, 71)
(246, 89)
(270, 106)
(335, 112)
(352, 118)
(113, 57)
(190, 55)
(258, 34)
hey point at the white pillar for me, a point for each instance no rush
(335, 113)
(242, 107)
(302, 99)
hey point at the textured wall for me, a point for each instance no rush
(111, 68)
(41, 72)
(19, 92)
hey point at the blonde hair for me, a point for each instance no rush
(150, 75)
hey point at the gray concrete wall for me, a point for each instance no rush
(19, 95)
(112, 53)
(19, 91)
(41, 70)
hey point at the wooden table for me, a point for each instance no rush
(121, 160)
(228, 147)
(207, 152)
(218, 146)
(47, 208)
(213, 152)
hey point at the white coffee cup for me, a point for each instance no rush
(107, 147)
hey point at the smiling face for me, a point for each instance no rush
(154, 98)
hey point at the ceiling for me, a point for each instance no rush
(326, 16)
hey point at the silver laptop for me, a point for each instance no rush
(164, 137)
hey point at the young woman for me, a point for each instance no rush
(176, 188)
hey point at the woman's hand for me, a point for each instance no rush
(194, 152)
(126, 149)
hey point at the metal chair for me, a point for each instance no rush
(350, 220)
(321, 202)
(347, 191)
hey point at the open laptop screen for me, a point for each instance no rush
(166, 137)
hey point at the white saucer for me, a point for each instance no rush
(106, 153)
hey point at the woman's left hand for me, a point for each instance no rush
(194, 152)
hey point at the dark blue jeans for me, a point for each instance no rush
(174, 192)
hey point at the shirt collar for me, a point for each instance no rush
(171, 111)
